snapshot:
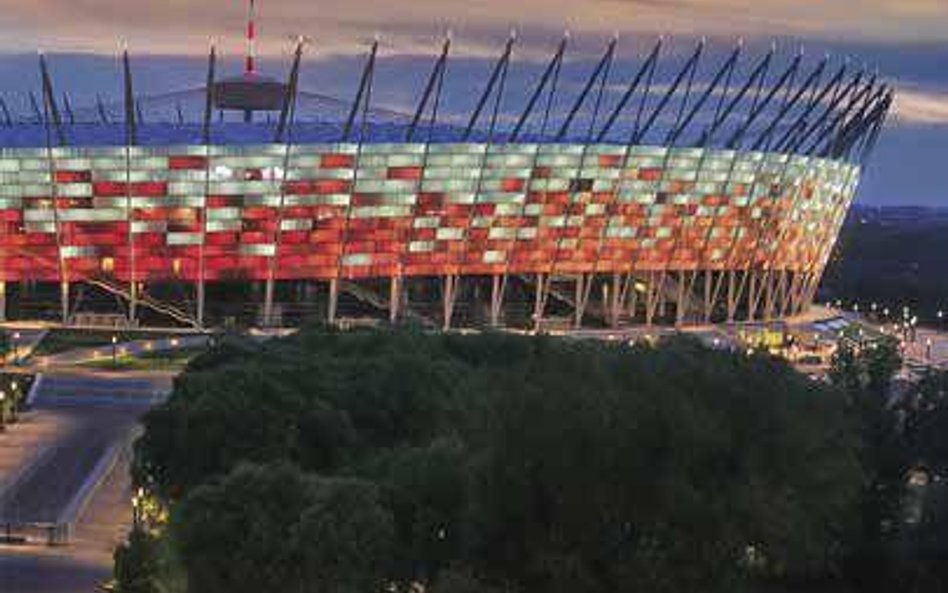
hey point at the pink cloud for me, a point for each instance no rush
(184, 26)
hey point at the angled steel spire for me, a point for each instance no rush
(49, 102)
(435, 80)
(601, 67)
(756, 77)
(689, 66)
(726, 67)
(365, 85)
(551, 71)
(647, 67)
(498, 73)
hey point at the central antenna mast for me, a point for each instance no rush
(250, 69)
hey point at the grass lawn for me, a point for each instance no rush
(148, 361)
(63, 340)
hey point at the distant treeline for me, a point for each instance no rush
(894, 257)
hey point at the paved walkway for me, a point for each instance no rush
(27, 441)
(77, 413)
(80, 356)
(86, 564)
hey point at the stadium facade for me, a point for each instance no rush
(713, 194)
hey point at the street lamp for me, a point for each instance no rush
(15, 401)
(16, 343)
(114, 357)
(138, 504)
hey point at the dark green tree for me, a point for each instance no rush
(138, 564)
(345, 538)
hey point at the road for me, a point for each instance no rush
(98, 413)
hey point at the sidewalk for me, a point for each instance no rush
(80, 356)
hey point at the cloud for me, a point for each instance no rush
(921, 107)
(412, 26)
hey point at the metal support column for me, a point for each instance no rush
(206, 138)
(3, 301)
(731, 296)
(753, 290)
(633, 302)
(131, 139)
(538, 300)
(653, 296)
(449, 295)
(708, 295)
(582, 292)
(268, 286)
(682, 298)
(615, 300)
(394, 300)
(333, 301)
(497, 289)
(64, 300)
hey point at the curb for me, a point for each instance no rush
(34, 389)
(96, 477)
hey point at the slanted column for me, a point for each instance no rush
(497, 287)
(651, 299)
(449, 294)
(731, 296)
(768, 296)
(538, 302)
(752, 291)
(708, 295)
(580, 300)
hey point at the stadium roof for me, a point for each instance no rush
(763, 102)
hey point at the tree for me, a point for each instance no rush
(233, 533)
(865, 377)
(338, 462)
(138, 564)
(344, 538)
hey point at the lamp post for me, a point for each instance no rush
(114, 353)
(16, 343)
(3, 411)
(138, 504)
(14, 401)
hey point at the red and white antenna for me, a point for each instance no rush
(250, 69)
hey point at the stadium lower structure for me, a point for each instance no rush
(604, 234)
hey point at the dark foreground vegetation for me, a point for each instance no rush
(381, 461)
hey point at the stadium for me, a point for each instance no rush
(682, 189)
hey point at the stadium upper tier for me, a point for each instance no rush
(379, 210)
